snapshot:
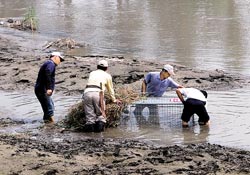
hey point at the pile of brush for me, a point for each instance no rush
(63, 43)
(76, 118)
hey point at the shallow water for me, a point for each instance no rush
(23, 107)
(228, 111)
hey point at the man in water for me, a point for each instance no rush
(45, 85)
(194, 102)
(155, 84)
(94, 106)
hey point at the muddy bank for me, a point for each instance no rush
(19, 67)
(35, 155)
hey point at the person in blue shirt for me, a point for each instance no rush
(155, 84)
(45, 85)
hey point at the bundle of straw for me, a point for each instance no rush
(76, 117)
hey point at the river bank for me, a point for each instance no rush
(50, 151)
(20, 65)
(22, 154)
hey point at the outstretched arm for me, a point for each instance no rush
(143, 87)
(179, 94)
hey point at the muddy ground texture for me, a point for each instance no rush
(50, 151)
(19, 68)
(34, 155)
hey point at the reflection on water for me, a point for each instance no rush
(25, 107)
(230, 116)
(228, 111)
(208, 34)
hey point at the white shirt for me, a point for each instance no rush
(192, 93)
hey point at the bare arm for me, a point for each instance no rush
(179, 95)
(143, 87)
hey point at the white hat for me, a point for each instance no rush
(103, 63)
(57, 54)
(169, 68)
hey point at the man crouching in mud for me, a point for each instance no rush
(94, 106)
(194, 102)
(45, 85)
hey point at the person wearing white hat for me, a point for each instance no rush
(156, 83)
(99, 81)
(45, 85)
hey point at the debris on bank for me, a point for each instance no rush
(19, 24)
(28, 22)
(63, 43)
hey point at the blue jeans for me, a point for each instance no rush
(46, 103)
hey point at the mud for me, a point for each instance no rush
(19, 69)
(39, 155)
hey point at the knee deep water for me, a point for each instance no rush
(228, 111)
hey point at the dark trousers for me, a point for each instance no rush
(46, 104)
(193, 106)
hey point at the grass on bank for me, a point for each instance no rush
(30, 20)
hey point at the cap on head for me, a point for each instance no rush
(169, 68)
(103, 63)
(58, 54)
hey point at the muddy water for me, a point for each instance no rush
(207, 34)
(24, 108)
(228, 111)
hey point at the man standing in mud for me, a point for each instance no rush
(94, 107)
(45, 85)
(155, 84)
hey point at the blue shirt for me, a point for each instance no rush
(46, 77)
(155, 86)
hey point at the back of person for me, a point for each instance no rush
(94, 104)
(194, 101)
(98, 77)
(192, 93)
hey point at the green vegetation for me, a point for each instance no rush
(30, 21)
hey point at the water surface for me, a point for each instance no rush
(205, 34)
(229, 126)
